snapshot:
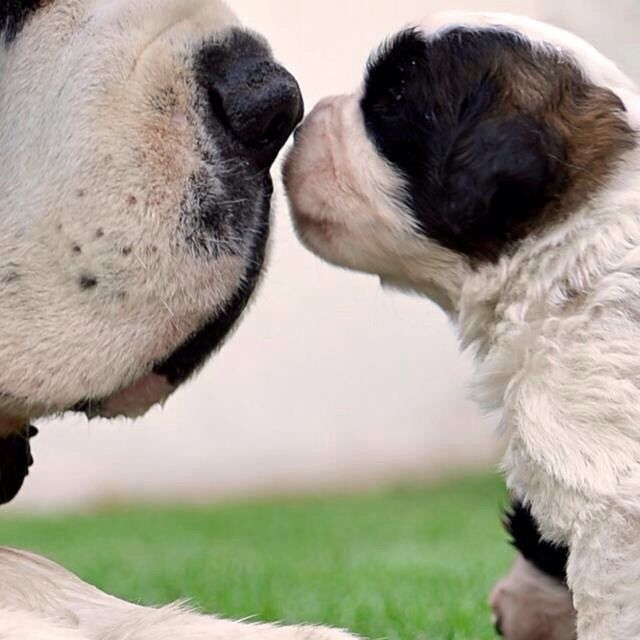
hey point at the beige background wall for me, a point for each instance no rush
(330, 382)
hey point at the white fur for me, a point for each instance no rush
(556, 329)
(40, 600)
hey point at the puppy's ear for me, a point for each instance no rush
(499, 174)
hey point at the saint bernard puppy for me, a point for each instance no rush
(136, 138)
(491, 163)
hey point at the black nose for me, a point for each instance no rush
(260, 103)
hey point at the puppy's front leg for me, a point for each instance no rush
(604, 574)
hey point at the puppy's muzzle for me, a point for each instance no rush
(259, 103)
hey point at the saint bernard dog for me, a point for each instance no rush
(136, 138)
(491, 163)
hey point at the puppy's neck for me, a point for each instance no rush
(504, 307)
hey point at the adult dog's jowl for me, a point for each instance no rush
(136, 138)
(491, 163)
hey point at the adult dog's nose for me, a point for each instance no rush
(260, 102)
(257, 100)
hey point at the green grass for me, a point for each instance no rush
(402, 565)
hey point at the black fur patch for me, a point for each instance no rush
(477, 170)
(14, 14)
(224, 196)
(234, 224)
(194, 353)
(549, 558)
(15, 460)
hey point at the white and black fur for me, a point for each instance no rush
(136, 138)
(490, 162)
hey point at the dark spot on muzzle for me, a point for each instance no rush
(88, 282)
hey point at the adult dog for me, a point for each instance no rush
(491, 163)
(136, 138)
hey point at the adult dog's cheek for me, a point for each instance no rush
(136, 400)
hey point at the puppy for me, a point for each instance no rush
(136, 138)
(491, 163)
(533, 601)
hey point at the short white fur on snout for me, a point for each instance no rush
(554, 323)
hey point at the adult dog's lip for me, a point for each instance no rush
(132, 401)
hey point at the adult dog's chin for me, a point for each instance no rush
(165, 376)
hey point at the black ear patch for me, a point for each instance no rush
(14, 14)
(496, 138)
(496, 177)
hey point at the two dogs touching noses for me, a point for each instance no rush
(488, 162)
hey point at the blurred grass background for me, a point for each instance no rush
(404, 564)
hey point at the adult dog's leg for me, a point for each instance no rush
(19, 625)
(42, 588)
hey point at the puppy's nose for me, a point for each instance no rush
(260, 103)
